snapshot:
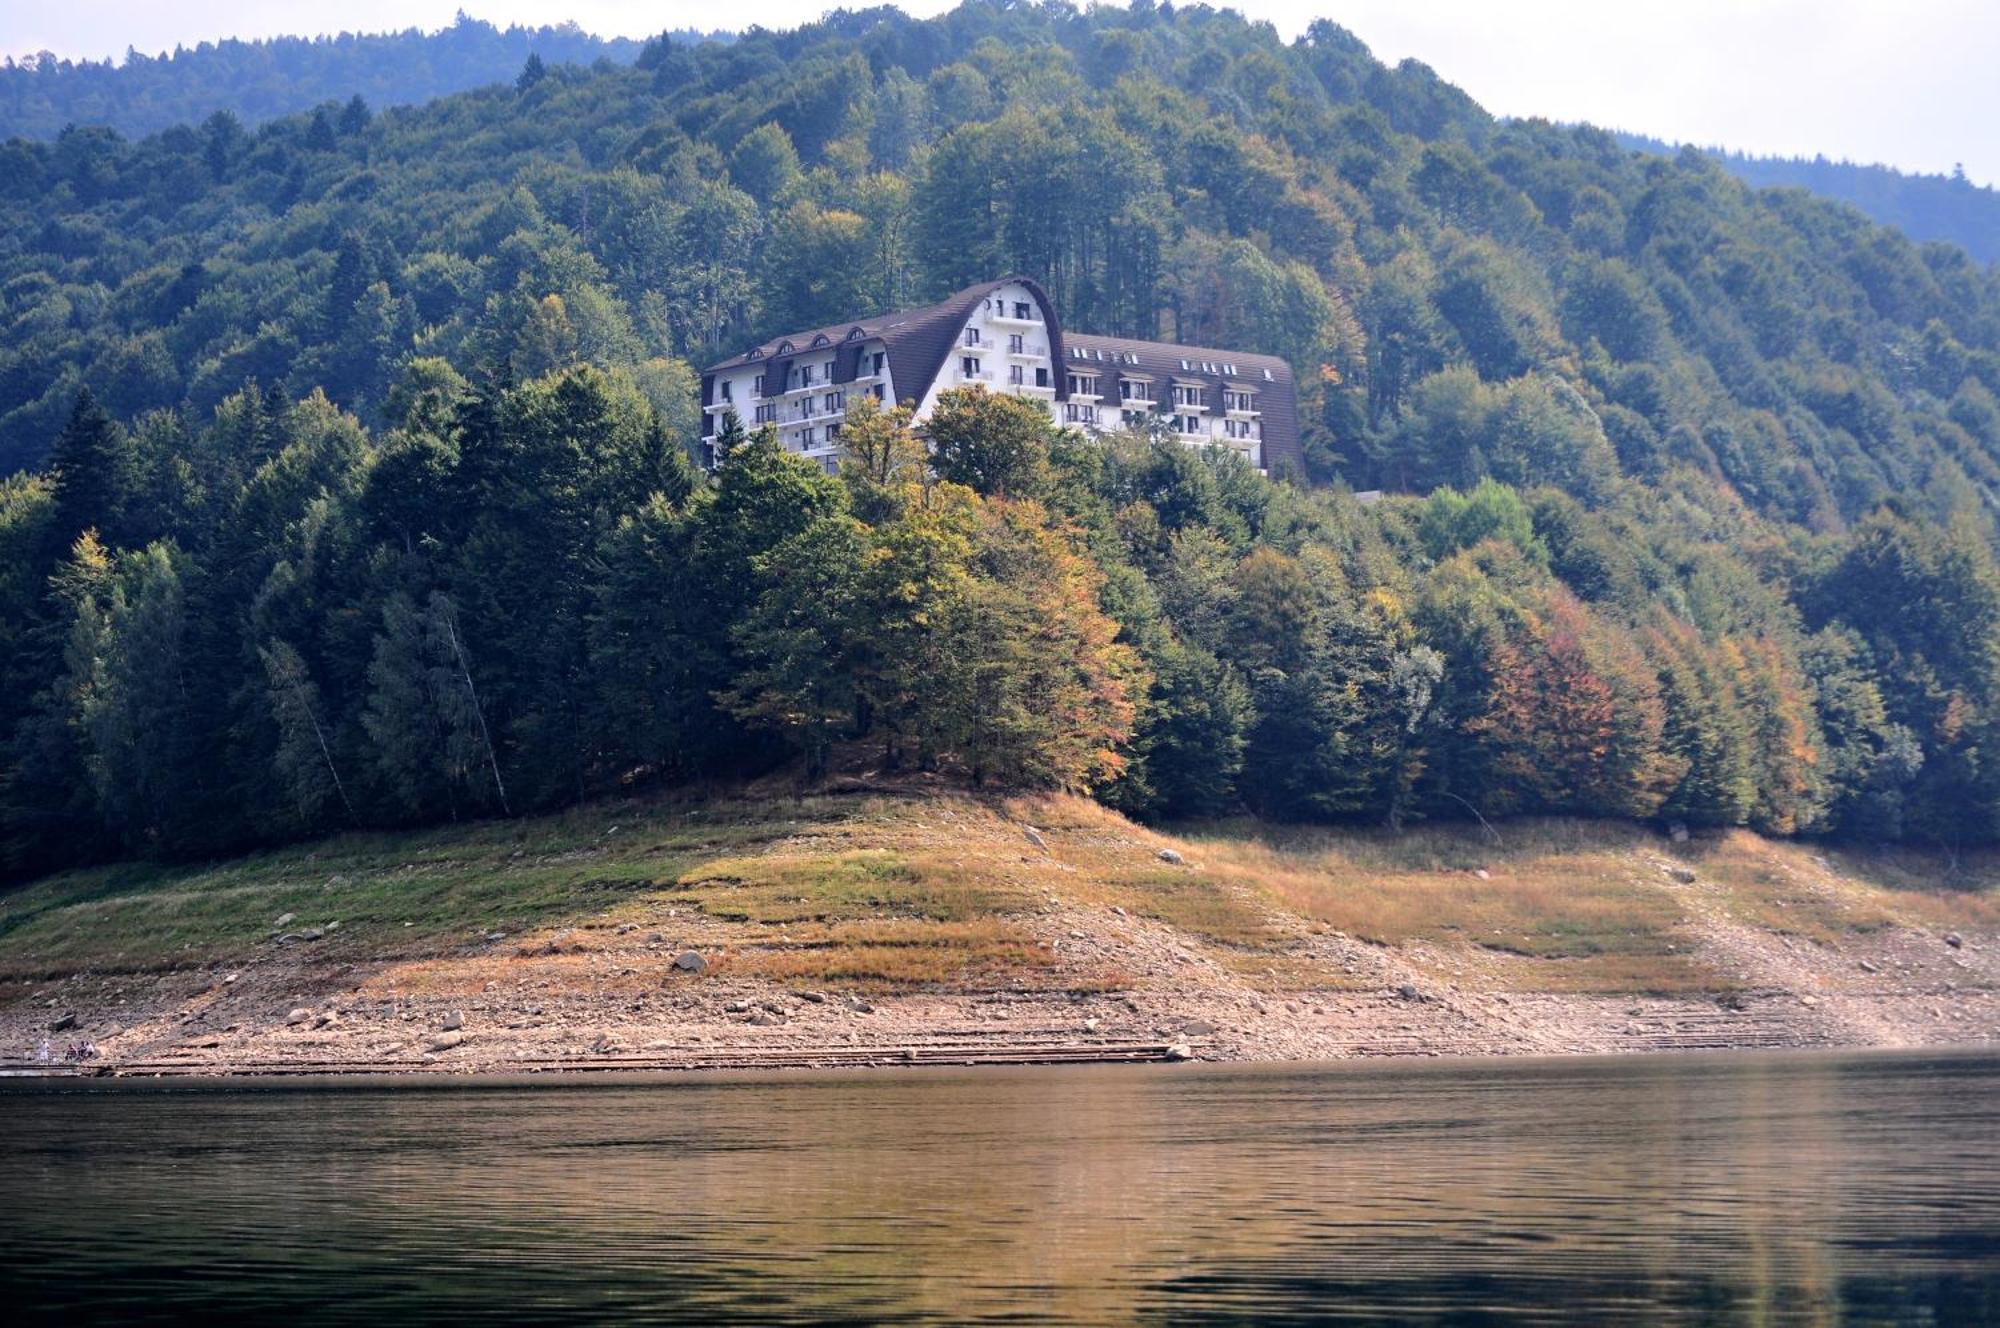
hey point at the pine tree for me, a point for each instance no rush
(95, 478)
(796, 674)
(355, 116)
(304, 757)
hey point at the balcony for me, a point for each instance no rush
(1009, 320)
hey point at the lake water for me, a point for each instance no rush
(1731, 1190)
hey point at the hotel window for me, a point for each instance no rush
(1083, 385)
(1188, 396)
(879, 394)
(805, 375)
(1075, 414)
(725, 391)
(968, 367)
(807, 437)
(835, 401)
(879, 358)
(1130, 391)
(972, 336)
(832, 432)
(1190, 424)
(1020, 308)
(757, 386)
(767, 414)
(1041, 376)
(1015, 376)
(1016, 343)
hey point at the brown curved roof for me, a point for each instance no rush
(1114, 358)
(918, 341)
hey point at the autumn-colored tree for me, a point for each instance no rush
(1051, 698)
(1575, 723)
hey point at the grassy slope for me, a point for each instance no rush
(914, 889)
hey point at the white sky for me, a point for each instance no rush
(1913, 83)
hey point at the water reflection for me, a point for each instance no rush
(1747, 1190)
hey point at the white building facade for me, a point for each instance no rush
(1004, 336)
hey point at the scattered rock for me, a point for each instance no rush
(1954, 940)
(603, 1043)
(1677, 831)
(453, 1021)
(298, 1016)
(737, 1007)
(1179, 1051)
(230, 981)
(1809, 1000)
(445, 1041)
(690, 962)
(859, 1006)
(62, 1021)
(1409, 993)
(1034, 837)
(284, 920)
(1090, 1025)
(1482, 874)
(1197, 1028)
(1171, 858)
(764, 1019)
(311, 934)
(1685, 875)
(327, 1019)
(1869, 967)
(813, 997)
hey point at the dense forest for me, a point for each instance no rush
(1950, 208)
(354, 486)
(257, 80)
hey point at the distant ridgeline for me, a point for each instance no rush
(1950, 208)
(257, 80)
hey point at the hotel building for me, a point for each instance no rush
(1003, 336)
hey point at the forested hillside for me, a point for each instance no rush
(257, 80)
(377, 506)
(1950, 208)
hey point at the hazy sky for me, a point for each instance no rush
(1909, 82)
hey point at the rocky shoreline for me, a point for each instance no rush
(633, 1003)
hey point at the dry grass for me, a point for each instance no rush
(1573, 902)
(916, 888)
